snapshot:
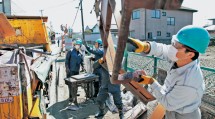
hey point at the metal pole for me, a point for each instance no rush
(41, 11)
(3, 6)
(82, 20)
(23, 80)
(155, 65)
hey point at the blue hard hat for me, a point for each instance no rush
(195, 37)
(79, 42)
(99, 41)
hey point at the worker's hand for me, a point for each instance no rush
(139, 46)
(101, 61)
(143, 79)
(130, 75)
(83, 69)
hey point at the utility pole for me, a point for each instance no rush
(82, 20)
(3, 7)
(41, 13)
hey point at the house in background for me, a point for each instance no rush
(5, 7)
(95, 33)
(211, 29)
(93, 29)
(158, 24)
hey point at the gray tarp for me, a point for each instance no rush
(41, 66)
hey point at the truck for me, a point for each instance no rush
(24, 79)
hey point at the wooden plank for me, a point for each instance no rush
(5, 27)
(110, 53)
(136, 111)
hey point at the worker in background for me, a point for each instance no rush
(98, 52)
(74, 60)
(58, 42)
(184, 85)
(107, 87)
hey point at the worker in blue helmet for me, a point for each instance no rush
(184, 85)
(98, 53)
(74, 60)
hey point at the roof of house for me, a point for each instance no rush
(210, 28)
(212, 19)
(183, 8)
(91, 26)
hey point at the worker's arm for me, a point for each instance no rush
(136, 76)
(97, 64)
(68, 56)
(139, 46)
(150, 48)
(94, 51)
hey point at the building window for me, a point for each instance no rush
(158, 33)
(149, 35)
(136, 14)
(168, 34)
(171, 21)
(132, 34)
(163, 13)
(156, 14)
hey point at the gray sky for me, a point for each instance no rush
(64, 11)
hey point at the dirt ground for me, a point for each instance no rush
(59, 102)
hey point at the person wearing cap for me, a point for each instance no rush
(98, 52)
(74, 60)
(184, 85)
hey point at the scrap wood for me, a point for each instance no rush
(135, 112)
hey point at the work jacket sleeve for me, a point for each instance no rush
(94, 51)
(68, 55)
(178, 97)
(159, 50)
(82, 62)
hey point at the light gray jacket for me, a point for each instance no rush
(183, 87)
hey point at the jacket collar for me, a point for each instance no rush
(182, 69)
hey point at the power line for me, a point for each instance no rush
(50, 7)
(76, 13)
(21, 9)
(59, 5)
